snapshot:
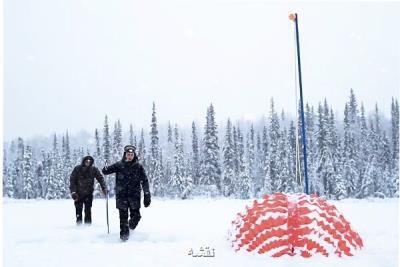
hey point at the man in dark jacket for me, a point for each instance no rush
(82, 186)
(130, 179)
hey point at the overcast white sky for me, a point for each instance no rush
(68, 62)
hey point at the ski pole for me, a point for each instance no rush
(108, 226)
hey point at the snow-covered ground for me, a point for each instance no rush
(43, 233)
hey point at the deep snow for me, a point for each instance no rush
(43, 233)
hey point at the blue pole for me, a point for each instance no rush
(302, 108)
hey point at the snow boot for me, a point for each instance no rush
(88, 219)
(135, 218)
(124, 233)
(124, 237)
(78, 219)
(133, 223)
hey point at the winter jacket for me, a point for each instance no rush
(130, 179)
(82, 179)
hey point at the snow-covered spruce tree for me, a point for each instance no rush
(325, 162)
(63, 146)
(243, 181)
(55, 182)
(18, 175)
(12, 150)
(177, 165)
(170, 139)
(386, 187)
(338, 185)
(195, 162)
(351, 145)
(76, 157)
(283, 181)
(132, 137)
(63, 172)
(395, 127)
(395, 146)
(350, 171)
(67, 149)
(210, 165)
(106, 143)
(310, 128)
(66, 167)
(285, 164)
(155, 171)
(82, 153)
(266, 179)
(39, 177)
(15, 173)
(117, 141)
(328, 165)
(51, 185)
(372, 175)
(107, 157)
(265, 145)
(251, 157)
(363, 152)
(5, 170)
(235, 151)
(27, 174)
(99, 162)
(228, 175)
(62, 188)
(163, 181)
(9, 176)
(98, 153)
(181, 183)
(142, 153)
(169, 161)
(188, 184)
(8, 188)
(365, 181)
(382, 186)
(43, 173)
(271, 179)
(353, 110)
(259, 167)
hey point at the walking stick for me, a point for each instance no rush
(108, 226)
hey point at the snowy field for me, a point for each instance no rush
(43, 233)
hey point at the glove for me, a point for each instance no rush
(74, 196)
(105, 191)
(146, 200)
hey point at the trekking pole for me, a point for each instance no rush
(108, 226)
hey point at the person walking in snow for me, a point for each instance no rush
(82, 186)
(131, 178)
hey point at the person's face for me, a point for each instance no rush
(130, 156)
(88, 162)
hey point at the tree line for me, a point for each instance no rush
(356, 156)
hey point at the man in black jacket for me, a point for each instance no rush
(82, 186)
(130, 179)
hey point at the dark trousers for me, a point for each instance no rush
(135, 217)
(87, 202)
